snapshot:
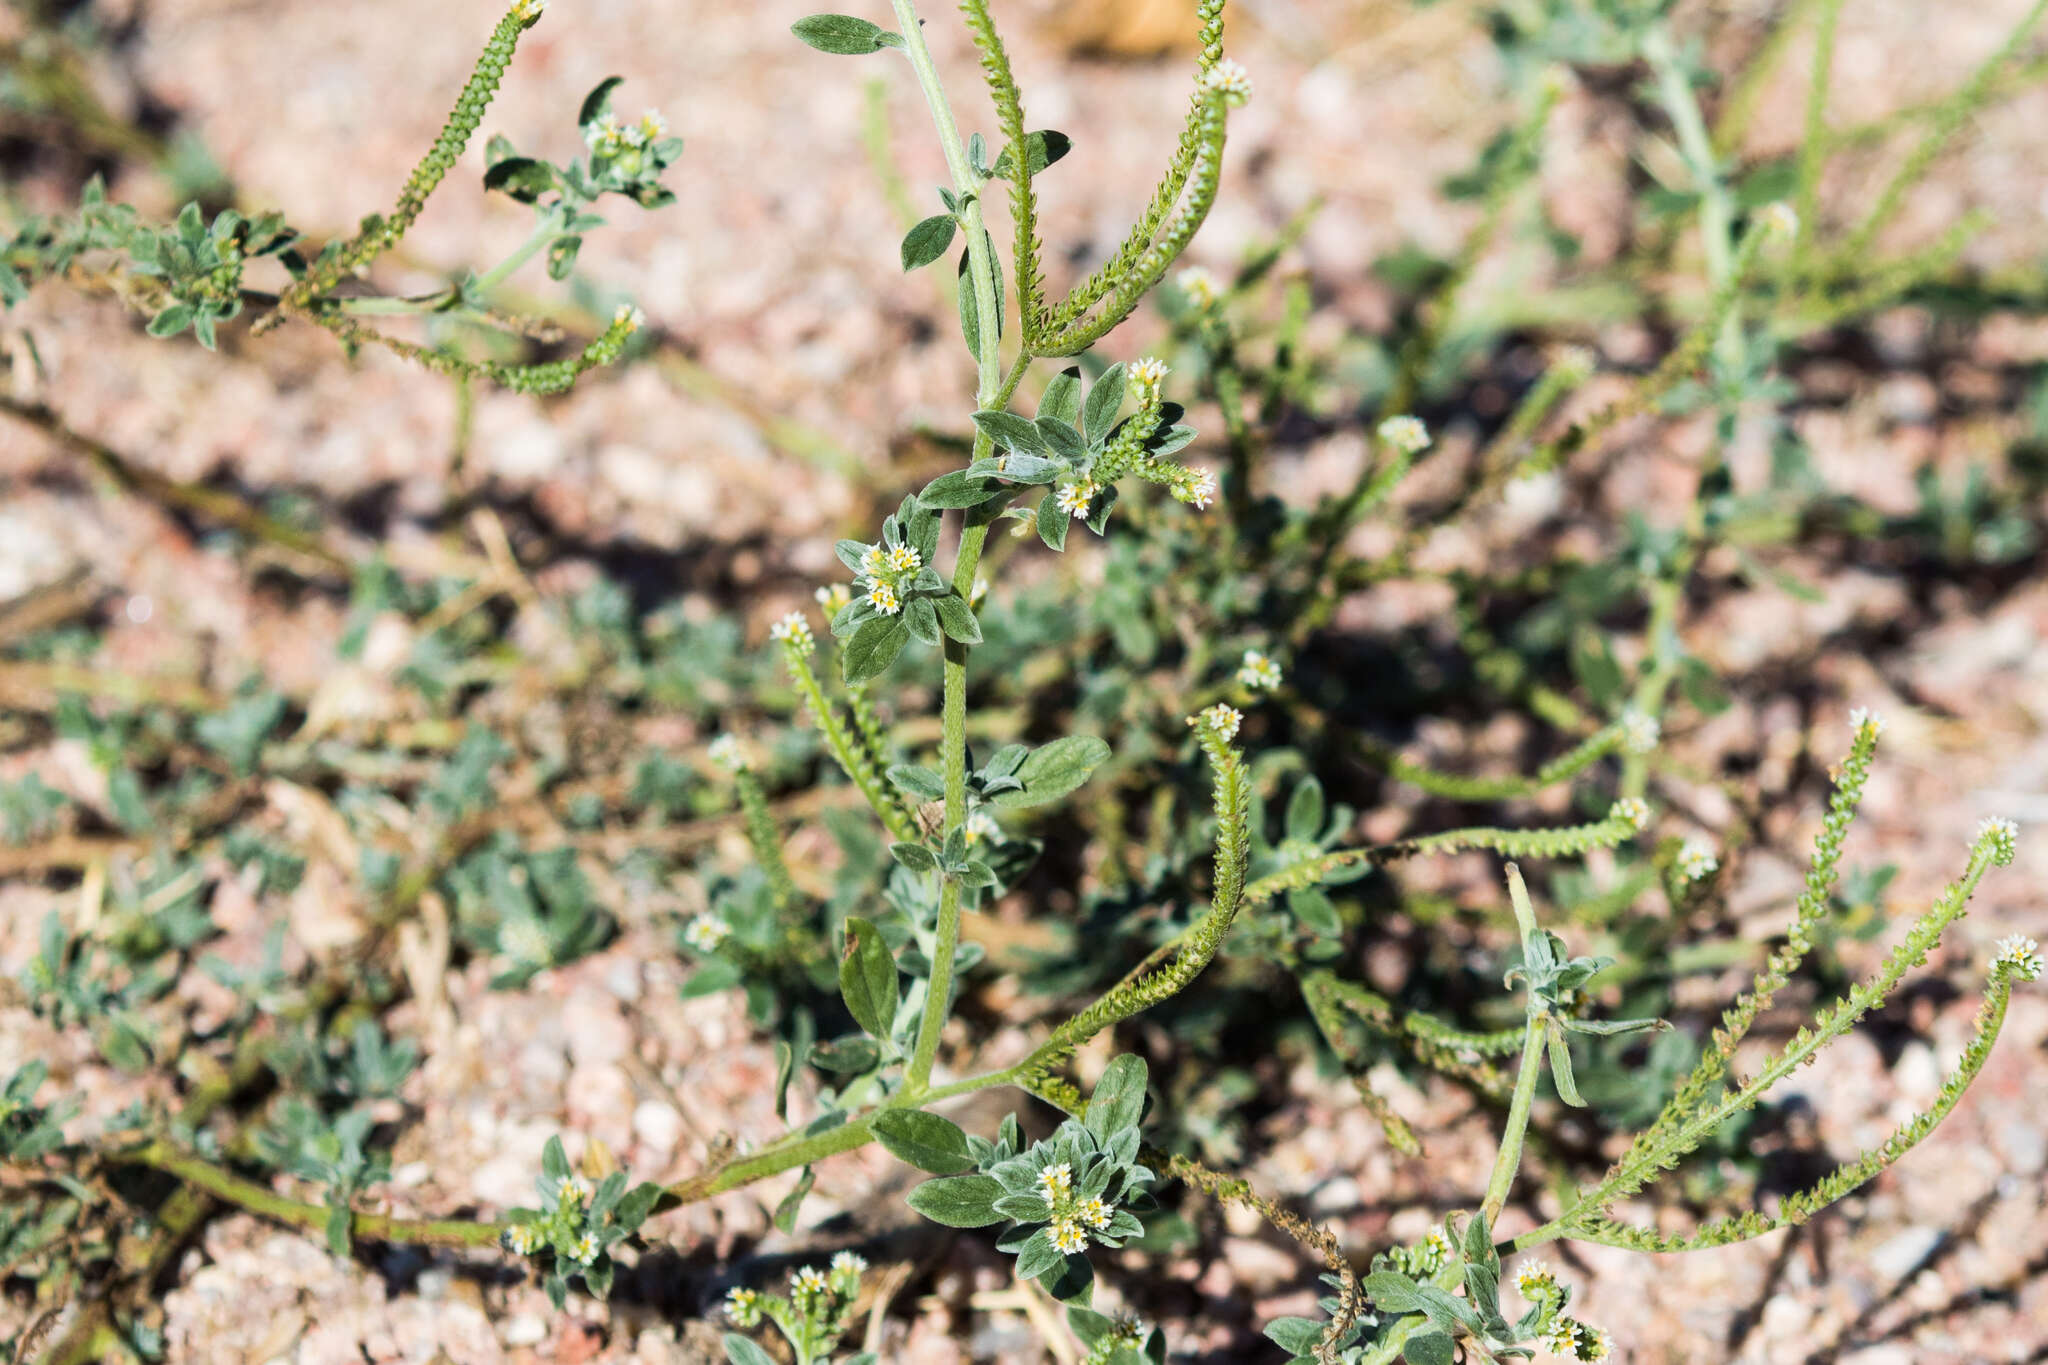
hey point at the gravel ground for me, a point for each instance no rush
(775, 270)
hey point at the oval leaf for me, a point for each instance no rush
(928, 241)
(963, 1201)
(926, 1141)
(867, 978)
(1053, 770)
(843, 34)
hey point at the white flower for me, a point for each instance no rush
(1534, 1280)
(1146, 376)
(1405, 434)
(1093, 1212)
(809, 1280)
(981, 825)
(873, 562)
(1073, 498)
(1631, 811)
(1067, 1236)
(885, 599)
(1639, 731)
(1780, 221)
(794, 630)
(1258, 671)
(833, 597)
(1056, 1182)
(529, 10)
(574, 1189)
(524, 940)
(1574, 363)
(744, 1305)
(1221, 720)
(1696, 860)
(1199, 285)
(2021, 955)
(725, 751)
(848, 1263)
(2004, 838)
(1195, 487)
(584, 1248)
(903, 559)
(653, 127)
(1564, 1337)
(628, 317)
(977, 593)
(706, 932)
(523, 1238)
(1865, 721)
(1231, 78)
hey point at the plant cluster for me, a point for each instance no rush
(1212, 843)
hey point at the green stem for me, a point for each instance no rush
(1509, 1159)
(248, 1194)
(988, 363)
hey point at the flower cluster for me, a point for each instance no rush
(1219, 720)
(577, 1224)
(1696, 860)
(1639, 731)
(1231, 79)
(2019, 955)
(2003, 838)
(726, 752)
(1632, 811)
(1258, 671)
(1199, 285)
(816, 1311)
(1560, 1335)
(1067, 1194)
(706, 932)
(1865, 721)
(793, 630)
(1405, 434)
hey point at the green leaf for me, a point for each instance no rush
(597, 101)
(1315, 911)
(1053, 520)
(843, 35)
(793, 1202)
(1561, 1068)
(960, 488)
(961, 1201)
(928, 241)
(1119, 1097)
(1041, 149)
(1105, 400)
(874, 647)
(522, 177)
(867, 978)
(1305, 810)
(1392, 1292)
(922, 783)
(1062, 397)
(956, 618)
(926, 1141)
(916, 857)
(171, 320)
(740, 1351)
(970, 318)
(338, 1225)
(1010, 431)
(1052, 770)
(922, 619)
(1296, 1336)
(562, 256)
(1039, 1258)
(1429, 1348)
